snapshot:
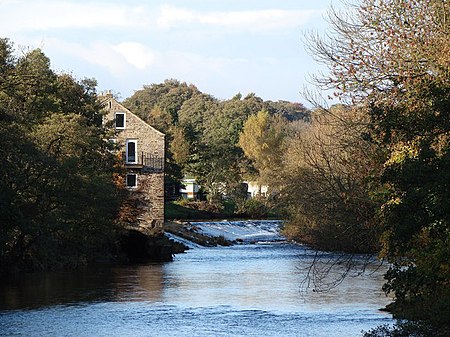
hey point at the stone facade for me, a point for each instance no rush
(142, 149)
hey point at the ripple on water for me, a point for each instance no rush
(147, 319)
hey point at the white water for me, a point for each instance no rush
(247, 231)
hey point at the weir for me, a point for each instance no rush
(236, 231)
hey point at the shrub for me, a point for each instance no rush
(253, 208)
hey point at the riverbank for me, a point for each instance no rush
(201, 210)
(196, 210)
(137, 247)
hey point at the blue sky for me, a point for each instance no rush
(221, 46)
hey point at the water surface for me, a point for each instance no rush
(243, 290)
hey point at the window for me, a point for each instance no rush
(132, 180)
(120, 120)
(131, 150)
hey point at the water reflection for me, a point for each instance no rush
(94, 284)
(266, 277)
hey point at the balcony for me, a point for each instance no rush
(144, 161)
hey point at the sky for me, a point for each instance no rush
(223, 47)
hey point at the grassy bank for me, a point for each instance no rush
(201, 210)
(175, 210)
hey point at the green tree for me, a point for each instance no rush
(288, 110)
(179, 146)
(169, 96)
(220, 162)
(393, 57)
(225, 124)
(202, 132)
(194, 114)
(58, 201)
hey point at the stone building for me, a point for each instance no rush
(142, 149)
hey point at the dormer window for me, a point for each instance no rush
(120, 120)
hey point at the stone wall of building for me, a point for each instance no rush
(149, 192)
(149, 139)
(150, 200)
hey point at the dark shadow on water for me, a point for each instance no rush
(93, 284)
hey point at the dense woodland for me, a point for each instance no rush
(203, 135)
(370, 174)
(58, 201)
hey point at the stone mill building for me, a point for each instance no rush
(141, 147)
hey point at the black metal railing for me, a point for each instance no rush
(145, 161)
(152, 162)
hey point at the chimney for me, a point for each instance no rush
(107, 93)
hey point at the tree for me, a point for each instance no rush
(168, 96)
(290, 111)
(220, 162)
(203, 133)
(58, 201)
(179, 145)
(393, 57)
(262, 141)
(327, 169)
(225, 124)
(194, 113)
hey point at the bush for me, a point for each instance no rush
(406, 329)
(200, 205)
(253, 208)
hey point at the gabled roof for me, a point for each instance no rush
(107, 97)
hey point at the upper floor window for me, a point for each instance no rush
(131, 151)
(120, 120)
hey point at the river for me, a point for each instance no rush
(252, 289)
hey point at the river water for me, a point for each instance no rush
(251, 289)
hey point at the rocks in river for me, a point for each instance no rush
(139, 247)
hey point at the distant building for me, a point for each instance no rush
(254, 189)
(142, 150)
(189, 189)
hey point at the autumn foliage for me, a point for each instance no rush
(392, 59)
